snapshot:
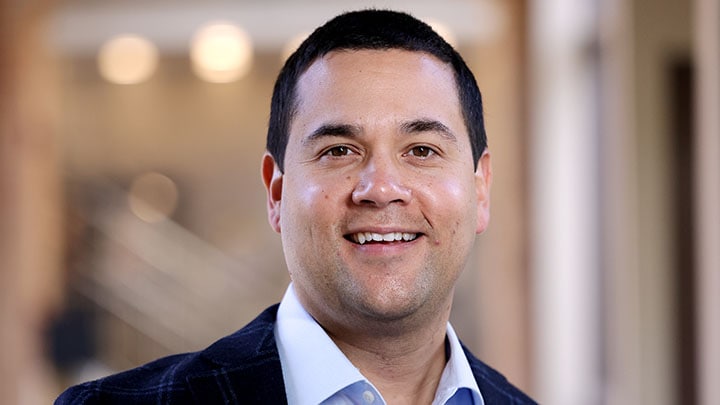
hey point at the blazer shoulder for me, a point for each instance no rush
(254, 343)
(169, 379)
(494, 387)
(161, 380)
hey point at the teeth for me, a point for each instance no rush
(363, 237)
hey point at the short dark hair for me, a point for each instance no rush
(371, 29)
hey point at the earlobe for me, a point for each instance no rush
(483, 181)
(272, 179)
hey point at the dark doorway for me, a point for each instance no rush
(682, 117)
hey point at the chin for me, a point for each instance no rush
(389, 306)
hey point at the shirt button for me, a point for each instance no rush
(369, 397)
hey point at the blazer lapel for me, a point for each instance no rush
(245, 367)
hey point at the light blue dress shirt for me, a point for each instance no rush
(317, 372)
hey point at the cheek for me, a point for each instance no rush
(307, 202)
(311, 194)
(452, 201)
(452, 194)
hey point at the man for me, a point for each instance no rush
(378, 179)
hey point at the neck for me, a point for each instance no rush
(404, 367)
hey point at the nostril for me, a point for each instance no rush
(381, 192)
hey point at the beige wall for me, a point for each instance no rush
(707, 186)
(495, 319)
(30, 205)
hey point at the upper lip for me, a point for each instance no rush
(382, 230)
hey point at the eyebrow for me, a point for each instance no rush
(428, 125)
(333, 130)
(408, 127)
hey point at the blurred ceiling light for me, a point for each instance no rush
(127, 59)
(153, 197)
(444, 31)
(221, 52)
(292, 45)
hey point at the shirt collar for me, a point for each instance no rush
(314, 368)
(457, 373)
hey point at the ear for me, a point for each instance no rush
(483, 181)
(272, 178)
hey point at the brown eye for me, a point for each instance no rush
(338, 151)
(421, 151)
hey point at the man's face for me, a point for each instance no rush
(379, 203)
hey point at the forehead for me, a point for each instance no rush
(340, 66)
(357, 85)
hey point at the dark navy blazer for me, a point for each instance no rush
(243, 368)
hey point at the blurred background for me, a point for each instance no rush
(132, 215)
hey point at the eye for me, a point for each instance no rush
(421, 151)
(337, 151)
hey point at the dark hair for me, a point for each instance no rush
(371, 29)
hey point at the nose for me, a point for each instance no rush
(381, 183)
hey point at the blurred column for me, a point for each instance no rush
(707, 56)
(29, 206)
(619, 200)
(564, 186)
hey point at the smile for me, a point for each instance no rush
(369, 237)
